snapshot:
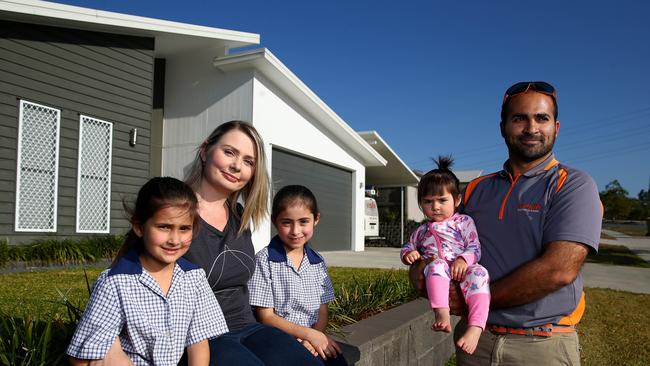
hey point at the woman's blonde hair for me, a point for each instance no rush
(256, 193)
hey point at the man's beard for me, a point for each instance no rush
(529, 153)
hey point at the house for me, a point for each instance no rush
(93, 103)
(306, 142)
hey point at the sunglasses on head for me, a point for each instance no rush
(524, 86)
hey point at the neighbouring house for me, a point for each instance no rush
(395, 187)
(392, 184)
(93, 103)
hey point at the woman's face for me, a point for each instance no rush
(230, 162)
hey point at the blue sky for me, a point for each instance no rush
(429, 76)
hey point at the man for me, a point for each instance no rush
(537, 220)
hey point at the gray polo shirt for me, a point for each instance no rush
(516, 217)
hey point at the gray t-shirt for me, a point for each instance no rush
(516, 217)
(229, 262)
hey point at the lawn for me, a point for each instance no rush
(633, 228)
(617, 255)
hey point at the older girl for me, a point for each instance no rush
(230, 166)
(155, 301)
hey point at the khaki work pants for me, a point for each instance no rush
(515, 349)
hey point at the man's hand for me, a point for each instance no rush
(457, 305)
(458, 269)
(416, 276)
(411, 257)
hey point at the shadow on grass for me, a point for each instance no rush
(618, 255)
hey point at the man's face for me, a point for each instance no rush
(530, 128)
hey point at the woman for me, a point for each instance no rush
(230, 165)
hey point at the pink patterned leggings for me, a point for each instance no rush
(475, 288)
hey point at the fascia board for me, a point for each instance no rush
(374, 135)
(273, 69)
(136, 24)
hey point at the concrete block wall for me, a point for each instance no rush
(400, 336)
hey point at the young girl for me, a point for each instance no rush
(155, 301)
(290, 288)
(450, 242)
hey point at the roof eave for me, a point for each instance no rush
(46, 13)
(410, 178)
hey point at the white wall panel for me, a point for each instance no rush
(198, 98)
(284, 125)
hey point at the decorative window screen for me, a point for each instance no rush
(94, 175)
(37, 168)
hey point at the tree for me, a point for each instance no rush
(644, 196)
(615, 201)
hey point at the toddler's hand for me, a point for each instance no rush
(458, 269)
(411, 257)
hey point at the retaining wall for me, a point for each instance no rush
(400, 336)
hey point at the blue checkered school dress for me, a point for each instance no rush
(153, 328)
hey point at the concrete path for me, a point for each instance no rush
(640, 245)
(624, 278)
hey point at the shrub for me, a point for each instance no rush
(66, 251)
(28, 340)
(366, 296)
(4, 252)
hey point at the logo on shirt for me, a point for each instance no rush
(529, 207)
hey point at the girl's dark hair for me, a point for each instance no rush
(156, 194)
(288, 196)
(438, 181)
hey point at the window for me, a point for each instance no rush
(94, 175)
(37, 170)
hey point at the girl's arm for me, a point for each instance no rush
(316, 338)
(198, 354)
(95, 340)
(323, 318)
(79, 362)
(115, 356)
(413, 244)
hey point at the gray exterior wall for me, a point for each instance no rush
(332, 187)
(105, 76)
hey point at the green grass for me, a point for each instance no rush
(361, 293)
(614, 329)
(31, 293)
(637, 228)
(617, 255)
(632, 231)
